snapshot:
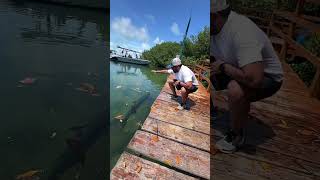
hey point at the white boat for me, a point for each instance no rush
(127, 58)
(130, 60)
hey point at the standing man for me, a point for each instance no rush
(245, 63)
(185, 81)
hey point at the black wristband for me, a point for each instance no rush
(221, 67)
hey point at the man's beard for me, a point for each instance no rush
(175, 71)
(215, 30)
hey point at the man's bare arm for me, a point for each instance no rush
(161, 71)
(250, 75)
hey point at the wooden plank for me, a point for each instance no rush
(180, 156)
(133, 167)
(317, 2)
(196, 106)
(300, 110)
(298, 20)
(276, 159)
(286, 142)
(238, 167)
(177, 133)
(311, 18)
(181, 118)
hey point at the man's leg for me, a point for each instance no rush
(172, 87)
(239, 106)
(184, 95)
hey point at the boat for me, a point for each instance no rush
(127, 58)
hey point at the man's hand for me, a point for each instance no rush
(215, 66)
(176, 83)
(154, 71)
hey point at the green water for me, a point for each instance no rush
(58, 46)
(128, 82)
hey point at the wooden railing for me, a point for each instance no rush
(298, 20)
(281, 29)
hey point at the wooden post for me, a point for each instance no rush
(315, 86)
(299, 7)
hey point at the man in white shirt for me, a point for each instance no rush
(244, 62)
(185, 81)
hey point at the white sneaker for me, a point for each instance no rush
(231, 142)
(180, 107)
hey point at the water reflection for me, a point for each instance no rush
(62, 48)
(133, 89)
(128, 69)
(51, 20)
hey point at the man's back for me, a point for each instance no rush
(242, 42)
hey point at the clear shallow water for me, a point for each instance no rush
(128, 83)
(58, 46)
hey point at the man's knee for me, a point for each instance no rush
(235, 91)
(170, 83)
(184, 91)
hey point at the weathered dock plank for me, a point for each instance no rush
(133, 167)
(175, 154)
(268, 152)
(177, 133)
(238, 167)
(282, 136)
(178, 138)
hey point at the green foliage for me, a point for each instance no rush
(306, 70)
(313, 44)
(162, 54)
(196, 48)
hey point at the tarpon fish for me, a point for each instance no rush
(29, 175)
(133, 108)
(77, 146)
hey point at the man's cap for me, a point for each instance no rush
(176, 61)
(218, 5)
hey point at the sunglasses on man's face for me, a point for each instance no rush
(174, 67)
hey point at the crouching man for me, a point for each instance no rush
(185, 81)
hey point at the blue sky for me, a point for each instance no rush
(141, 24)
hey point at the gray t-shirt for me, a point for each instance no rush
(242, 42)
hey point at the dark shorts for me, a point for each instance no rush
(193, 89)
(269, 87)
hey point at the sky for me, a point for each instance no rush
(141, 24)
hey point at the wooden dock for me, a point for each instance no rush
(172, 143)
(283, 140)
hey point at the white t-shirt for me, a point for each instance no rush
(242, 42)
(185, 75)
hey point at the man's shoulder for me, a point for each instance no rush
(241, 23)
(185, 68)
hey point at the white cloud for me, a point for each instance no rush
(175, 29)
(145, 46)
(158, 41)
(151, 18)
(125, 27)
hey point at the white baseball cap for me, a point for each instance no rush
(176, 61)
(218, 5)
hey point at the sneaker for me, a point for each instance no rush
(231, 142)
(182, 107)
